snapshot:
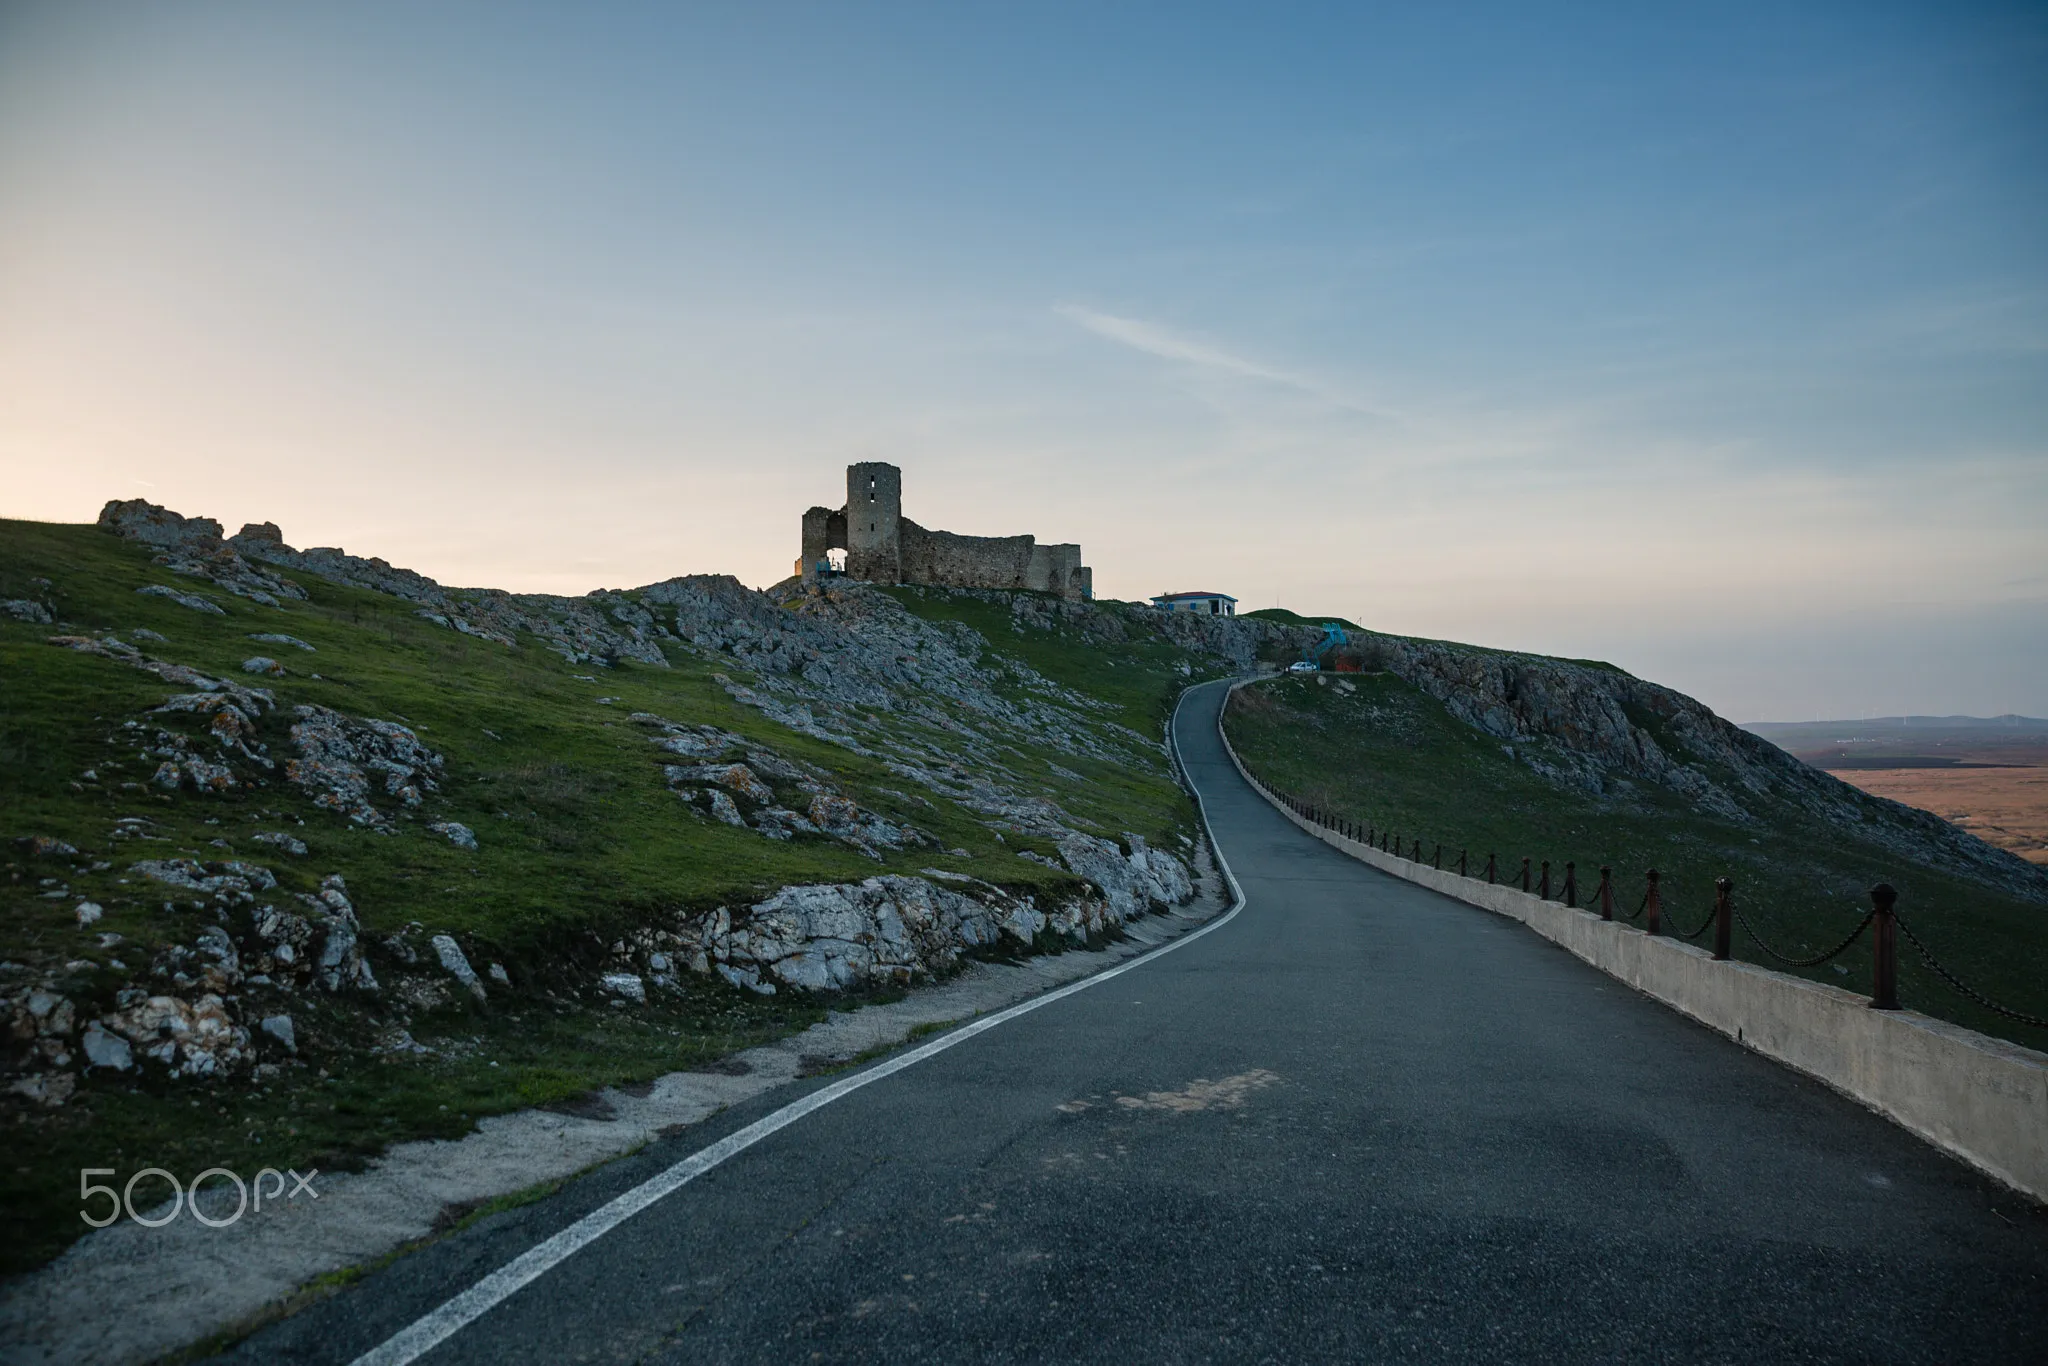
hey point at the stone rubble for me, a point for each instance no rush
(753, 773)
(343, 759)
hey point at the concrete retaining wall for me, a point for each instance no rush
(1983, 1099)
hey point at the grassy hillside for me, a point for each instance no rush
(1377, 750)
(579, 840)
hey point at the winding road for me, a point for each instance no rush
(1356, 1121)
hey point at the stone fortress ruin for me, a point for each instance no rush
(884, 546)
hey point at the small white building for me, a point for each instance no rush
(1206, 604)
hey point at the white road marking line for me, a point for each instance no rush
(415, 1340)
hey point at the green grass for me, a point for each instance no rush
(1287, 618)
(580, 840)
(1134, 680)
(1390, 756)
(1362, 641)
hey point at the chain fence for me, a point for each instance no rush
(1819, 958)
(1885, 988)
(1934, 966)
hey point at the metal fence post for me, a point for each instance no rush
(1654, 923)
(1461, 863)
(1490, 879)
(1571, 884)
(1418, 849)
(1544, 890)
(1724, 917)
(1884, 949)
(1606, 892)
(1437, 859)
(1525, 872)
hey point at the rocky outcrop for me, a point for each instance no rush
(896, 928)
(344, 760)
(1597, 728)
(193, 546)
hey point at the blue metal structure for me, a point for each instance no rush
(1333, 636)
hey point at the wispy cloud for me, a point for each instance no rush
(1167, 344)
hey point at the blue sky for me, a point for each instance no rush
(1713, 341)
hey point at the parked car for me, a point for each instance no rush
(1302, 666)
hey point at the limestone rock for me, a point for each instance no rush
(262, 664)
(726, 809)
(191, 600)
(190, 1038)
(779, 823)
(22, 609)
(343, 760)
(224, 973)
(230, 882)
(341, 966)
(456, 965)
(459, 835)
(626, 986)
(49, 1089)
(279, 1027)
(193, 546)
(138, 520)
(1127, 890)
(104, 1049)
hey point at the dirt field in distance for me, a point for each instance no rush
(1987, 774)
(2007, 807)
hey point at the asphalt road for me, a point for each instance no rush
(1358, 1122)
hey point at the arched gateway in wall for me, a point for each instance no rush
(884, 546)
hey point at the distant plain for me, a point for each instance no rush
(1987, 775)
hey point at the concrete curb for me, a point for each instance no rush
(1982, 1099)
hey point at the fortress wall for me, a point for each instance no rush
(950, 561)
(818, 538)
(884, 546)
(1053, 568)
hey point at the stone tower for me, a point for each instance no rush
(884, 546)
(874, 522)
